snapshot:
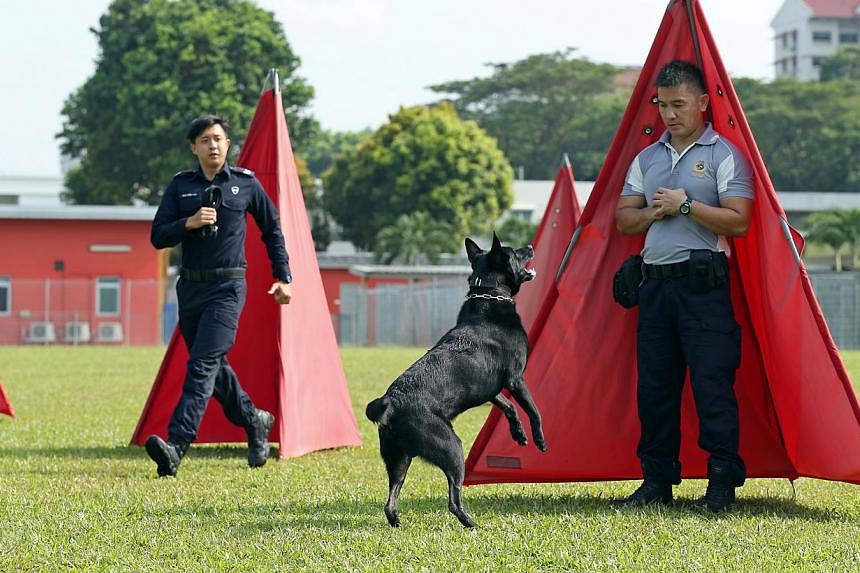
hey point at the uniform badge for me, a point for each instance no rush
(699, 169)
(234, 190)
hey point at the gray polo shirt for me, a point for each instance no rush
(709, 170)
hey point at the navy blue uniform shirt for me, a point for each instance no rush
(241, 193)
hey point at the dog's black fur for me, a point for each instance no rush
(471, 364)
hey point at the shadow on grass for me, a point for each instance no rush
(127, 452)
(366, 513)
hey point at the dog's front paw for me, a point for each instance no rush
(540, 442)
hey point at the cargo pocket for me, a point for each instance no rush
(723, 333)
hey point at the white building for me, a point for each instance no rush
(31, 190)
(808, 31)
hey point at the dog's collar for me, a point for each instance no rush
(489, 283)
(489, 297)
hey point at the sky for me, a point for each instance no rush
(365, 58)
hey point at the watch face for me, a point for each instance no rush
(684, 209)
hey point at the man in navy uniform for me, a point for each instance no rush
(211, 287)
(686, 192)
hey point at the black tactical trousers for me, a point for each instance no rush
(680, 329)
(208, 318)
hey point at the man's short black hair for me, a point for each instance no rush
(204, 122)
(679, 72)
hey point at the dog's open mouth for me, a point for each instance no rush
(528, 274)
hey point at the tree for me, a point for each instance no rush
(318, 218)
(424, 159)
(412, 235)
(808, 133)
(161, 64)
(843, 65)
(517, 232)
(324, 146)
(543, 106)
(827, 228)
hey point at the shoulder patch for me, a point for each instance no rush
(243, 171)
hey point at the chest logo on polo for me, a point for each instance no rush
(699, 169)
(234, 190)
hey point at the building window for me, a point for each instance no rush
(816, 61)
(107, 296)
(849, 38)
(821, 36)
(5, 296)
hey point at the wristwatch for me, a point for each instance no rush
(686, 207)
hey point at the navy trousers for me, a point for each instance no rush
(208, 319)
(680, 329)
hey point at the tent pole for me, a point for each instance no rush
(787, 232)
(567, 253)
(693, 32)
(271, 80)
(565, 159)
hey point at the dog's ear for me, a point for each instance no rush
(497, 244)
(472, 249)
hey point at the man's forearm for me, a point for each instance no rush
(635, 220)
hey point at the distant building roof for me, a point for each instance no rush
(833, 8)
(78, 212)
(406, 271)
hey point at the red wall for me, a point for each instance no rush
(34, 245)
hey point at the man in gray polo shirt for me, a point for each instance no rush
(686, 192)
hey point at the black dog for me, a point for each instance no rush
(471, 364)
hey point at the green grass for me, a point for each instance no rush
(74, 495)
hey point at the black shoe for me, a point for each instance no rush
(166, 454)
(258, 434)
(718, 497)
(650, 492)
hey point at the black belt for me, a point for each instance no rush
(212, 274)
(671, 270)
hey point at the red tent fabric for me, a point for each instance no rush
(286, 357)
(5, 404)
(551, 239)
(799, 413)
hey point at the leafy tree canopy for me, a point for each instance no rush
(161, 64)
(843, 65)
(413, 235)
(808, 133)
(517, 232)
(424, 159)
(545, 105)
(324, 146)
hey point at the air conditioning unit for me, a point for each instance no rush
(77, 332)
(41, 332)
(109, 332)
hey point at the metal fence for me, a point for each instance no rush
(839, 297)
(419, 314)
(409, 315)
(105, 310)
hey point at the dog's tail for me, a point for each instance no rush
(379, 411)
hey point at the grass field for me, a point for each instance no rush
(74, 495)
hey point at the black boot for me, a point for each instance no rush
(258, 434)
(650, 492)
(719, 497)
(166, 454)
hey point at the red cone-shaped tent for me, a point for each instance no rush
(5, 404)
(799, 413)
(551, 239)
(286, 357)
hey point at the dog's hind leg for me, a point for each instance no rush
(397, 463)
(445, 450)
(510, 412)
(521, 394)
